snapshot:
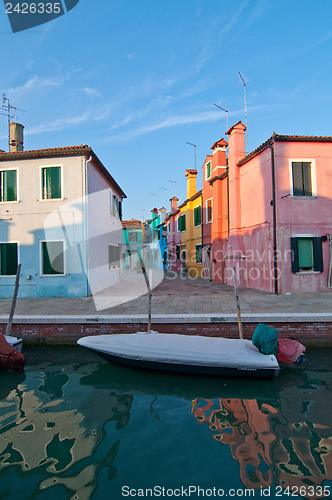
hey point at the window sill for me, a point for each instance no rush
(44, 200)
(9, 202)
(53, 275)
(313, 197)
(304, 273)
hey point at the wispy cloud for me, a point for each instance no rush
(169, 122)
(92, 92)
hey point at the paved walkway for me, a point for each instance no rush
(175, 297)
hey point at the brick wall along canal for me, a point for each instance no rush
(74, 426)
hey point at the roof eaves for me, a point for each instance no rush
(218, 177)
(63, 151)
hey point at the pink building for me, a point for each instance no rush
(280, 206)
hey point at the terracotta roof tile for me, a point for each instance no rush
(285, 138)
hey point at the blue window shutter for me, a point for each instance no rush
(295, 255)
(318, 254)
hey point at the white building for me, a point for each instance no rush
(60, 217)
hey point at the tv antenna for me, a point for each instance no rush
(174, 182)
(226, 111)
(154, 199)
(8, 108)
(245, 105)
(164, 189)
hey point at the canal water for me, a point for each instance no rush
(76, 427)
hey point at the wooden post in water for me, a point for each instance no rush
(147, 281)
(239, 320)
(12, 310)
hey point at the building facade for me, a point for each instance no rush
(60, 217)
(280, 213)
(132, 244)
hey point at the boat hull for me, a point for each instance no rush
(189, 354)
(14, 342)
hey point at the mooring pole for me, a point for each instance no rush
(239, 320)
(12, 310)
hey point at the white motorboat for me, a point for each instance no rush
(14, 342)
(184, 353)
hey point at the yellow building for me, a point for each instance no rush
(190, 227)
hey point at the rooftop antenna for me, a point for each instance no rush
(245, 106)
(194, 145)
(154, 199)
(174, 182)
(164, 189)
(143, 211)
(7, 106)
(226, 111)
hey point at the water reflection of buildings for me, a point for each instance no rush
(53, 427)
(268, 439)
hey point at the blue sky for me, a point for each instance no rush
(136, 79)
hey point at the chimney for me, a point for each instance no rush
(219, 162)
(174, 204)
(236, 151)
(191, 182)
(16, 137)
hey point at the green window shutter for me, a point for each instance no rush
(11, 185)
(305, 249)
(197, 215)
(295, 255)
(52, 257)
(208, 170)
(8, 259)
(297, 178)
(307, 188)
(8, 185)
(198, 253)
(182, 223)
(51, 179)
(318, 254)
(55, 182)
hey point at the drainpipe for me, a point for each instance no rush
(273, 203)
(87, 225)
(228, 217)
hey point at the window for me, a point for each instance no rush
(51, 183)
(178, 252)
(114, 254)
(198, 253)
(132, 237)
(208, 170)
(209, 210)
(52, 257)
(198, 215)
(116, 207)
(8, 185)
(302, 178)
(182, 222)
(8, 259)
(307, 254)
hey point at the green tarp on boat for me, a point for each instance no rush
(265, 338)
